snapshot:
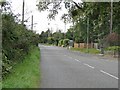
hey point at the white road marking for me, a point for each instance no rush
(78, 60)
(109, 74)
(89, 65)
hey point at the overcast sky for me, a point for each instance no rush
(39, 17)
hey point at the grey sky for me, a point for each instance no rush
(39, 17)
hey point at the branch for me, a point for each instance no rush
(77, 5)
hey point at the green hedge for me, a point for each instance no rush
(64, 42)
(113, 48)
(16, 42)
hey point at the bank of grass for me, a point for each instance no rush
(0, 85)
(25, 74)
(84, 50)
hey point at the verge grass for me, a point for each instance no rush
(84, 50)
(25, 74)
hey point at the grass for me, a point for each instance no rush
(90, 50)
(47, 44)
(25, 74)
(0, 85)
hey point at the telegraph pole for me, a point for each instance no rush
(65, 27)
(23, 12)
(32, 22)
(111, 16)
(87, 34)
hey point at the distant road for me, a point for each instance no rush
(62, 68)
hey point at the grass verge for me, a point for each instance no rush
(84, 50)
(25, 74)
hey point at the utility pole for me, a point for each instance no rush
(0, 39)
(0, 17)
(65, 27)
(87, 34)
(32, 22)
(73, 32)
(23, 12)
(111, 13)
(65, 20)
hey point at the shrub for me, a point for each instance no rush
(16, 42)
(66, 42)
(113, 48)
(112, 39)
(60, 43)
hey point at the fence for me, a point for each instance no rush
(84, 45)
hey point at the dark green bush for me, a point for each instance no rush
(16, 42)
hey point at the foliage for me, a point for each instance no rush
(70, 34)
(23, 75)
(98, 14)
(113, 48)
(16, 42)
(65, 42)
(60, 43)
(54, 6)
(51, 38)
(43, 37)
(112, 39)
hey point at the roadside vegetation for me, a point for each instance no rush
(84, 50)
(25, 74)
(113, 50)
(18, 42)
(91, 21)
(20, 58)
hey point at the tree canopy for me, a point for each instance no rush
(98, 13)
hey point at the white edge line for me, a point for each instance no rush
(89, 66)
(109, 74)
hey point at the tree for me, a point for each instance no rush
(98, 14)
(54, 6)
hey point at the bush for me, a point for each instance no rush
(112, 39)
(66, 42)
(16, 42)
(60, 43)
(50, 40)
(113, 48)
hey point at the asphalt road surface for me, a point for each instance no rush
(62, 68)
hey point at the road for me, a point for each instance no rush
(62, 68)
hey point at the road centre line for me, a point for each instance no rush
(109, 74)
(94, 67)
(78, 60)
(89, 65)
(72, 58)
